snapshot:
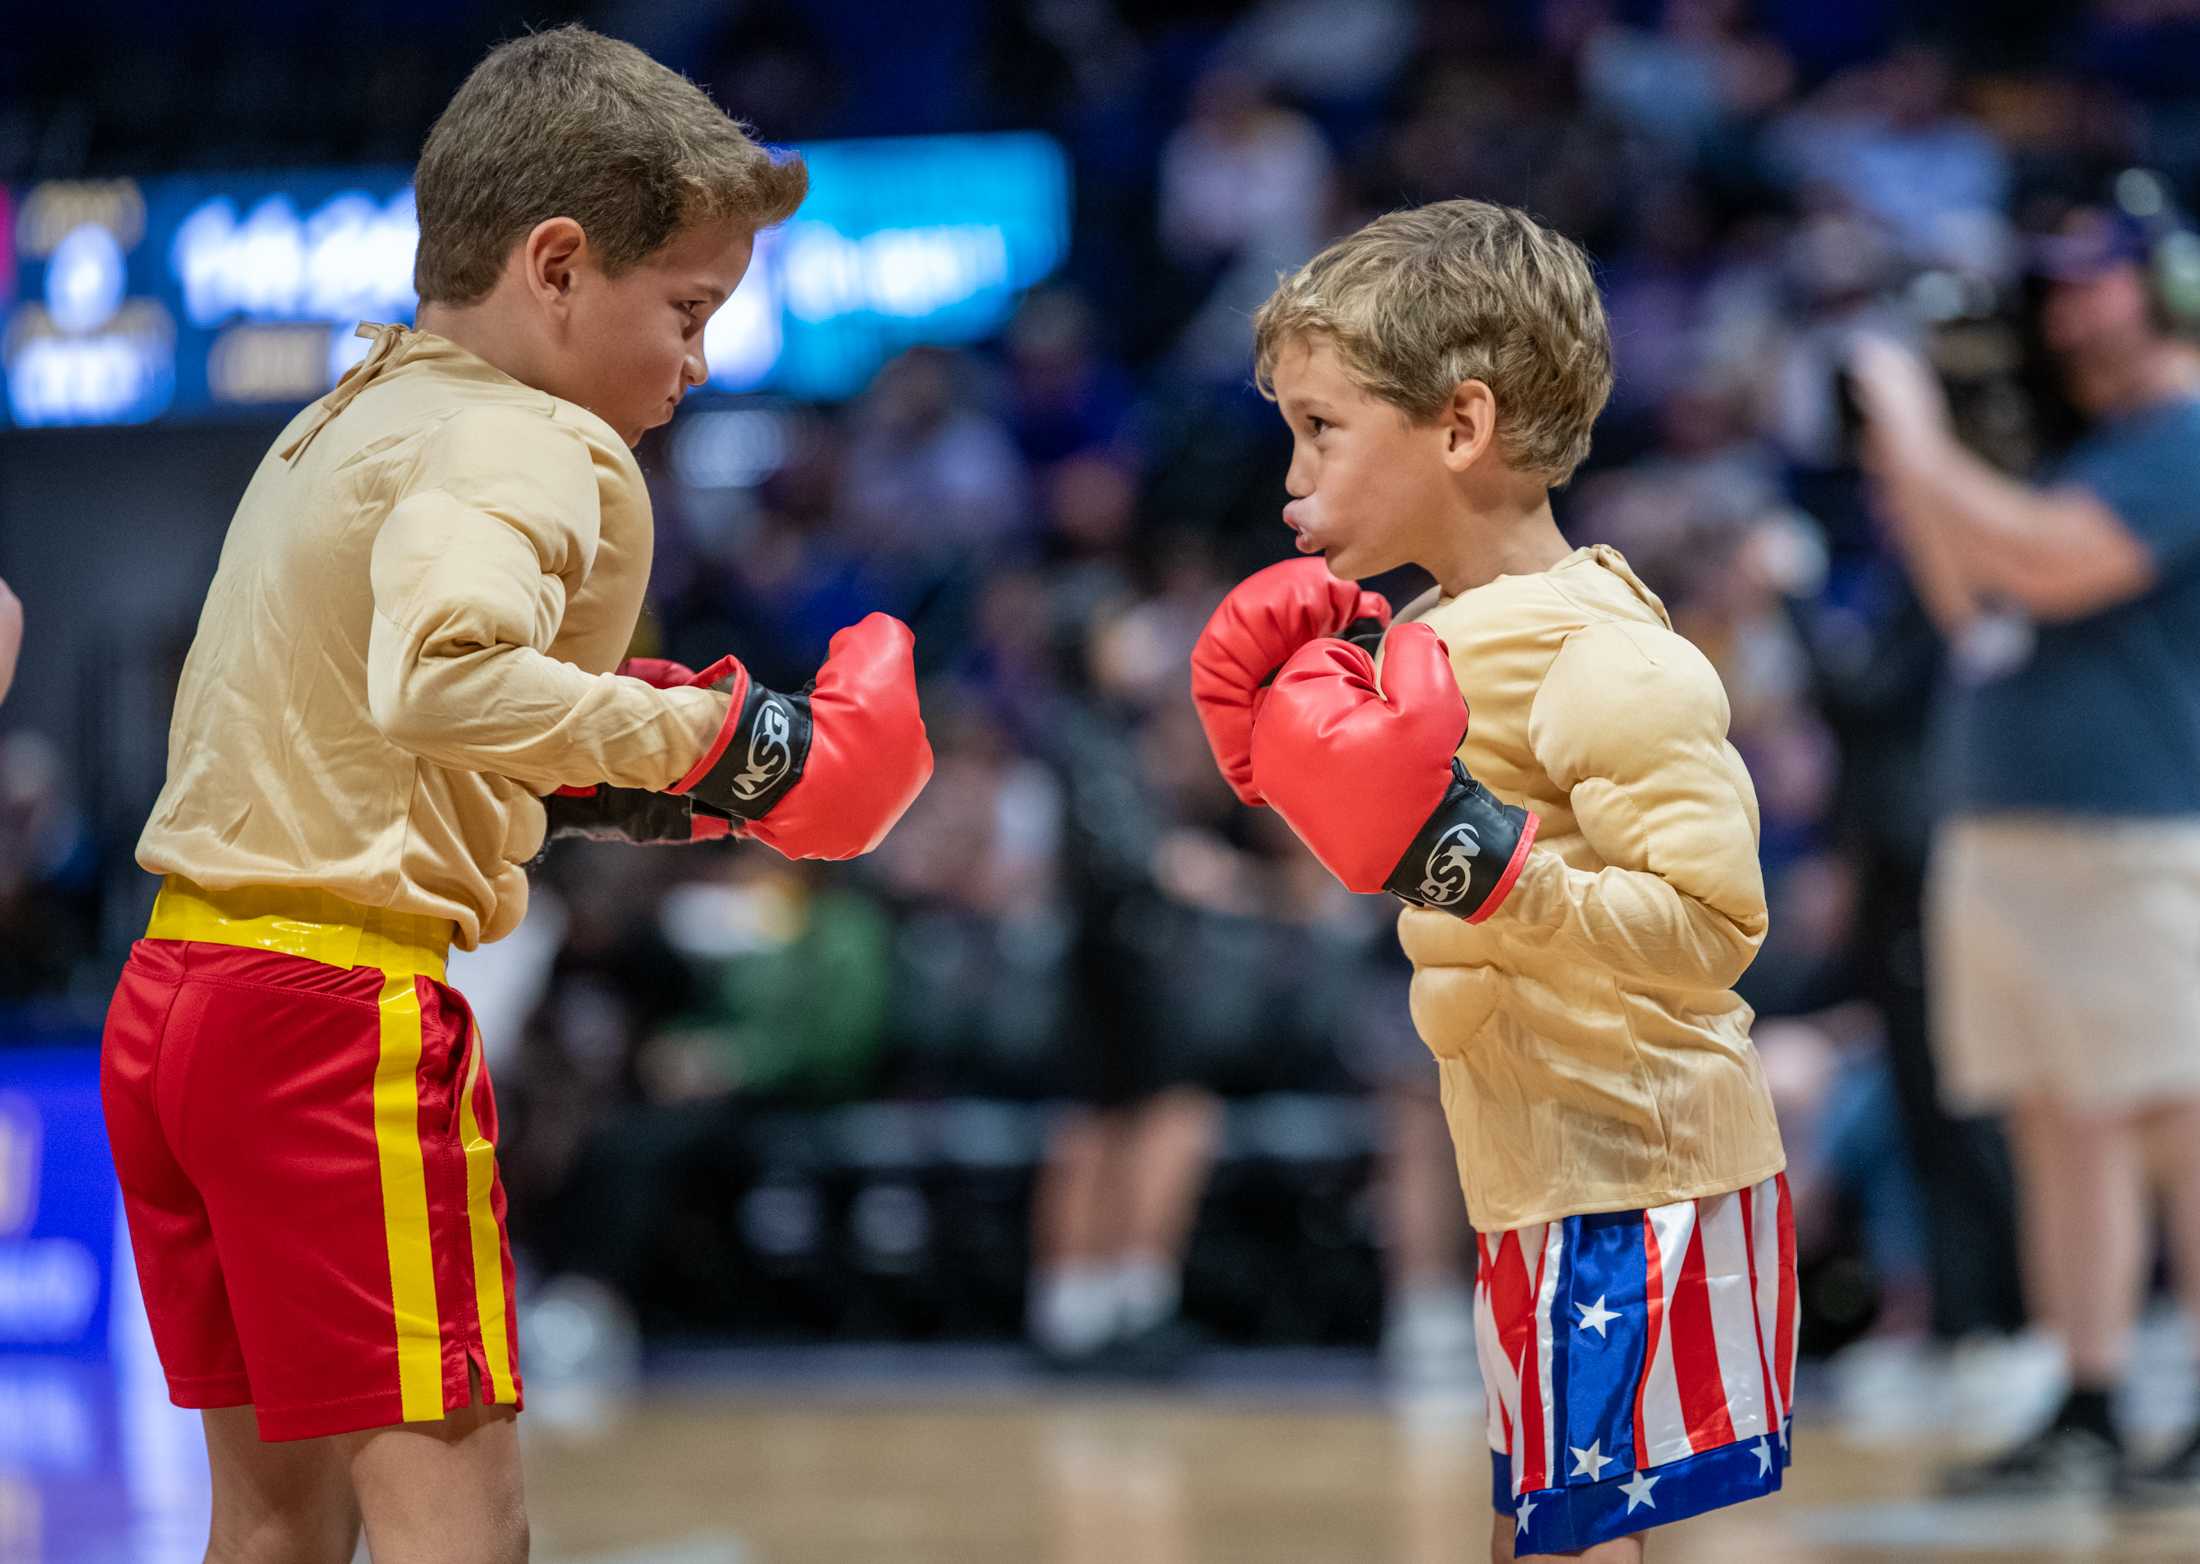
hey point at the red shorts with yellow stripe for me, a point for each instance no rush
(302, 1120)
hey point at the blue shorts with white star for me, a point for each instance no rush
(1567, 1520)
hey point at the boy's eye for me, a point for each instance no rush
(1315, 426)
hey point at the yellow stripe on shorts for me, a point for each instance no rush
(405, 1202)
(481, 1222)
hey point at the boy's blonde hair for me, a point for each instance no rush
(1420, 300)
(569, 123)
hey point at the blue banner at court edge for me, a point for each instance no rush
(57, 1204)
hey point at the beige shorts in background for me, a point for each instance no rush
(2065, 958)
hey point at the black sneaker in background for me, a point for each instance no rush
(1159, 1352)
(2174, 1481)
(2060, 1460)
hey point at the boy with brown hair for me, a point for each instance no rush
(415, 633)
(1580, 870)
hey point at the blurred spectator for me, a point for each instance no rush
(1124, 1169)
(2066, 883)
(49, 872)
(1244, 175)
(1875, 664)
(930, 485)
(979, 940)
(1245, 191)
(792, 979)
(1427, 1341)
(1067, 397)
(927, 474)
(1656, 297)
(613, 983)
(1340, 57)
(759, 983)
(1681, 81)
(1840, 271)
(1888, 140)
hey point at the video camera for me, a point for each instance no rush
(1983, 336)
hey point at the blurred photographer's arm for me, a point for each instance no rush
(1928, 553)
(1970, 533)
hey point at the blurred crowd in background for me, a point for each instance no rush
(1077, 954)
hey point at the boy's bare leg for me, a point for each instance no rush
(442, 1493)
(284, 1503)
(1620, 1550)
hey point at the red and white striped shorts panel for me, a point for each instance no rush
(1645, 1336)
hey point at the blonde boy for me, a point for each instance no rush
(410, 639)
(1580, 869)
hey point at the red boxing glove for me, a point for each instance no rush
(826, 773)
(1268, 616)
(1368, 776)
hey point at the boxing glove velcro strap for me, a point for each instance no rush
(1367, 634)
(758, 757)
(1467, 858)
(622, 814)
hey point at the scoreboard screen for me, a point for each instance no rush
(220, 296)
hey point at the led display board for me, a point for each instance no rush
(208, 296)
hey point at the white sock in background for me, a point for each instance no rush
(1428, 1334)
(1147, 1288)
(1073, 1308)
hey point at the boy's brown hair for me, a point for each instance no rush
(1420, 300)
(569, 123)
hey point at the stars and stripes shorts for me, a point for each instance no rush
(303, 1125)
(1639, 1364)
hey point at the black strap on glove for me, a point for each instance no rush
(1466, 854)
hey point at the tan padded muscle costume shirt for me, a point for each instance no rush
(409, 639)
(1593, 1055)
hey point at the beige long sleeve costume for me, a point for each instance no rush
(409, 639)
(1592, 1052)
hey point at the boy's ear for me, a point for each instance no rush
(1470, 424)
(548, 258)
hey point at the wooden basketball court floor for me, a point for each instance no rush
(774, 1468)
(727, 1477)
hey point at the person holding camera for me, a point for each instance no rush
(2064, 905)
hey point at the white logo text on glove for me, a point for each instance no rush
(770, 753)
(1448, 872)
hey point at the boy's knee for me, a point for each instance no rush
(497, 1534)
(500, 1538)
(505, 1541)
(512, 1540)
(327, 1534)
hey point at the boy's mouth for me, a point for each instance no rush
(1308, 544)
